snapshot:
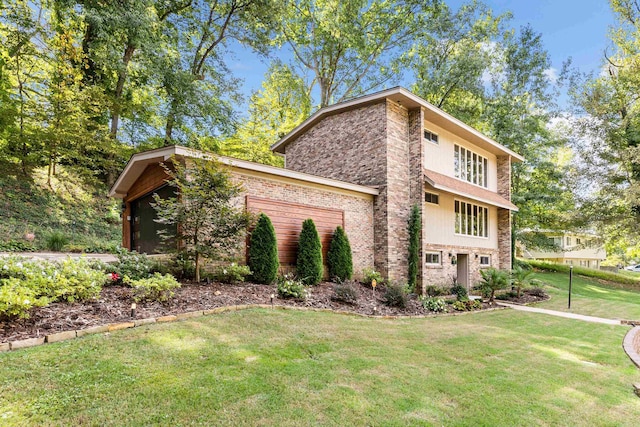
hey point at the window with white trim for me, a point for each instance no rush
(471, 219)
(485, 260)
(430, 136)
(568, 241)
(431, 198)
(433, 258)
(470, 166)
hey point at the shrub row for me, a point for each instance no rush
(587, 272)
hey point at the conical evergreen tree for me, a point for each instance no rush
(339, 258)
(309, 263)
(263, 252)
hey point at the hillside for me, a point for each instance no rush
(74, 209)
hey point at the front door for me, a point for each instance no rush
(463, 269)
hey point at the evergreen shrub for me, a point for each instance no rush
(263, 252)
(339, 257)
(309, 263)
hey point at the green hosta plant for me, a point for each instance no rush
(436, 305)
(289, 287)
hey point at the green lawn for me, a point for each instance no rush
(264, 367)
(590, 296)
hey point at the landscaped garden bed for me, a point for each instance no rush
(114, 305)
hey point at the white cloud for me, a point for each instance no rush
(552, 74)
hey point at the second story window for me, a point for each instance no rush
(471, 219)
(430, 136)
(470, 166)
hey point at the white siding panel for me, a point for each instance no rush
(439, 223)
(439, 158)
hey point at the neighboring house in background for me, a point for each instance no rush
(388, 150)
(579, 249)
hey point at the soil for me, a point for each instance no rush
(114, 305)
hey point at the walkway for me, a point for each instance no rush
(561, 314)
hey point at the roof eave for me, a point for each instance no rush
(397, 94)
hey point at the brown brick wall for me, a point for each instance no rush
(398, 191)
(442, 275)
(349, 146)
(358, 209)
(416, 167)
(504, 215)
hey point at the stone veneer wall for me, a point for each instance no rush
(504, 215)
(358, 208)
(443, 274)
(416, 178)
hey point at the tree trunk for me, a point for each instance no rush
(197, 267)
(117, 95)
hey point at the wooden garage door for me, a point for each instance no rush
(287, 220)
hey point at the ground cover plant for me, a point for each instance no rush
(274, 367)
(590, 296)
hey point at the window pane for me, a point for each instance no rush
(486, 222)
(474, 170)
(485, 172)
(475, 220)
(456, 161)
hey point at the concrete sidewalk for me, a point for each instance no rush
(561, 314)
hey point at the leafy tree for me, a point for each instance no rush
(415, 231)
(350, 46)
(453, 57)
(608, 133)
(492, 281)
(309, 262)
(339, 257)
(208, 224)
(263, 251)
(281, 105)
(199, 88)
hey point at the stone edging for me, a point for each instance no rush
(110, 327)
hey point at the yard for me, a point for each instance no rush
(591, 296)
(274, 367)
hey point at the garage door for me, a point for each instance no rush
(287, 220)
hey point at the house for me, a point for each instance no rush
(574, 248)
(365, 162)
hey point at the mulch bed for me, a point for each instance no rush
(114, 305)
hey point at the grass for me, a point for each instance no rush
(264, 367)
(630, 279)
(591, 296)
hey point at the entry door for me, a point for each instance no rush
(144, 229)
(463, 270)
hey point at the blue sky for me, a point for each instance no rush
(569, 28)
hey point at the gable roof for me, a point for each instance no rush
(464, 189)
(402, 96)
(139, 162)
